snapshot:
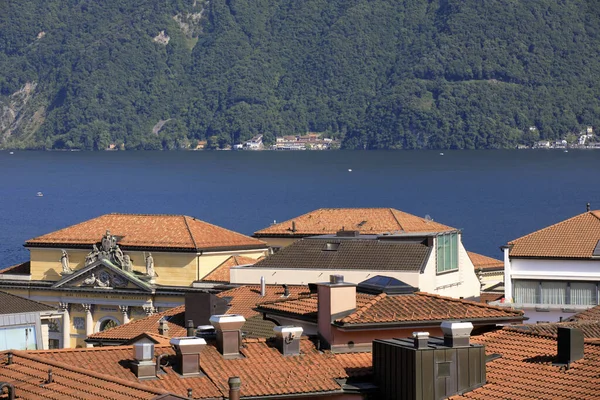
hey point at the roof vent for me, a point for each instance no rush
(420, 339)
(206, 332)
(344, 233)
(570, 345)
(188, 351)
(336, 279)
(456, 334)
(331, 246)
(287, 339)
(229, 334)
(143, 365)
(163, 327)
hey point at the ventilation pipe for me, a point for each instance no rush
(456, 334)
(11, 390)
(191, 331)
(229, 333)
(234, 387)
(420, 340)
(263, 287)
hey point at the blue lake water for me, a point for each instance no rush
(494, 196)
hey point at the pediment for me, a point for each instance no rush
(102, 274)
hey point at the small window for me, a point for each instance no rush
(53, 344)
(108, 324)
(447, 252)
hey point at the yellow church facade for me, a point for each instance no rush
(116, 268)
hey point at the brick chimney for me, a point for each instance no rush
(143, 365)
(187, 351)
(336, 300)
(229, 334)
(287, 339)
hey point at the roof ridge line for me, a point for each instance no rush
(471, 302)
(138, 321)
(551, 226)
(185, 217)
(391, 210)
(365, 308)
(88, 372)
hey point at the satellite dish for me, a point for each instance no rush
(428, 218)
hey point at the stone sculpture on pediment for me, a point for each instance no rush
(118, 255)
(127, 267)
(150, 266)
(109, 250)
(92, 255)
(102, 280)
(108, 241)
(64, 262)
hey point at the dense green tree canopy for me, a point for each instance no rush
(380, 74)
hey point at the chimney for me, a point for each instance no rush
(336, 299)
(287, 339)
(456, 334)
(229, 334)
(163, 327)
(234, 387)
(187, 351)
(143, 365)
(263, 287)
(570, 345)
(191, 331)
(286, 290)
(420, 340)
(588, 207)
(11, 389)
(200, 306)
(293, 226)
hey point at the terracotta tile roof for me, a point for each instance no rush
(575, 237)
(12, 304)
(19, 269)
(487, 297)
(525, 370)
(590, 329)
(591, 314)
(242, 301)
(28, 372)
(362, 254)
(366, 220)
(406, 308)
(221, 273)
(149, 231)
(263, 370)
(484, 262)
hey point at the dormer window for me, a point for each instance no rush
(447, 252)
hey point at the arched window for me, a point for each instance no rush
(108, 324)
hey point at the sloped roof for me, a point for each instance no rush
(29, 371)
(149, 231)
(591, 314)
(243, 300)
(23, 268)
(263, 370)
(221, 273)
(361, 254)
(400, 309)
(326, 221)
(484, 262)
(590, 329)
(525, 369)
(576, 237)
(12, 304)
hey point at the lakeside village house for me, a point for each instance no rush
(120, 267)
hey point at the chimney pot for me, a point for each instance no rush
(143, 365)
(420, 339)
(163, 327)
(588, 206)
(286, 290)
(287, 339)
(456, 334)
(191, 331)
(263, 287)
(234, 387)
(336, 279)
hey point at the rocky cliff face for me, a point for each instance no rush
(19, 114)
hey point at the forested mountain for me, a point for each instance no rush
(378, 73)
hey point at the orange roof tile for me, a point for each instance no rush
(149, 231)
(405, 308)
(221, 273)
(525, 369)
(575, 237)
(484, 262)
(326, 221)
(28, 373)
(243, 300)
(590, 329)
(591, 314)
(263, 370)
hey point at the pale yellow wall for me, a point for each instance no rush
(173, 269)
(210, 261)
(278, 242)
(45, 263)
